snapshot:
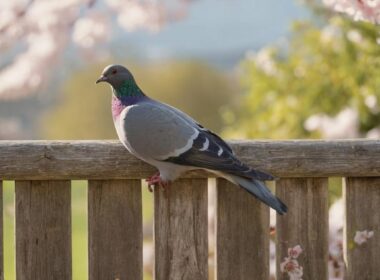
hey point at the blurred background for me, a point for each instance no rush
(244, 68)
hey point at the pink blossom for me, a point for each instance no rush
(365, 10)
(295, 251)
(264, 61)
(290, 265)
(362, 236)
(40, 31)
(296, 273)
(344, 125)
(90, 30)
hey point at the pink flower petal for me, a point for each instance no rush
(362, 236)
(295, 251)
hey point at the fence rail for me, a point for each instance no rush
(43, 170)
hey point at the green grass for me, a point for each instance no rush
(79, 228)
(9, 235)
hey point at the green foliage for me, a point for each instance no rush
(323, 70)
(9, 229)
(194, 87)
(84, 111)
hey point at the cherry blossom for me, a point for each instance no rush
(290, 264)
(374, 133)
(34, 34)
(264, 61)
(362, 236)
(336, 222)
(366, 10)
(91, 30)
(295, 251)
(344, 125)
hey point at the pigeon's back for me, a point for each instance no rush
(156, 131)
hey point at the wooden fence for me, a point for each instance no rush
(42, 172)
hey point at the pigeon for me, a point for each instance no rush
(173, 142)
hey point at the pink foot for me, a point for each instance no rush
(156, 180)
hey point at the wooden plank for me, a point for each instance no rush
(115, 229)
(43, 230)
(242, 234)
(180, 230)
(109, 159)
(362, 196)
(305, 224)
(1, 234)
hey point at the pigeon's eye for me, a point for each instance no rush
(114, 71)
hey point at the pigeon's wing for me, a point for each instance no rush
(208, 151)
(155, 132)
(158, 132)
(192, 122)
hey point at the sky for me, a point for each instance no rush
(218, 31)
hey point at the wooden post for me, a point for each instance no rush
(115, 229)
(1, 233)
(362, 196)
(180, 230)
(242, 234)
(305, 224)
(43, 230)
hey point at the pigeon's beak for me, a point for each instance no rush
(102, 78)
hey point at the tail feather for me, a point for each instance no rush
(260, 191)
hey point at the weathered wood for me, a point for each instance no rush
(180, 231)
(1, 234)
(43, 230)
(115, 229)
(305, 224)
(109, 159)
(362, 196)
(242, 234)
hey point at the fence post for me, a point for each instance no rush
(115, 229)
(1, 233)
(43, 230)
(242, 234)
(180, 230)
(362, 197)
(305, 224)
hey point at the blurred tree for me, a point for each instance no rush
(84, 111)
(325, 72)
(192, 86)
(35, 34)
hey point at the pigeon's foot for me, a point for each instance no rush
(155, 181)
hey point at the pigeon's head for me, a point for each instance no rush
(115, 75)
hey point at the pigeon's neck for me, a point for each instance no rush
(126, 94)
(127, 88)
(119, 103)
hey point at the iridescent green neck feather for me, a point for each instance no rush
(127, 88)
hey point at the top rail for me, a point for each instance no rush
(32, 160)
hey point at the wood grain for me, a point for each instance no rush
(180, 231)
(242, 234)
(305, 224)
(1, 234)
(43, 230)
(115, 229)
(109, 159)
(362, 196)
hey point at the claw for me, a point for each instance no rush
(155, 181)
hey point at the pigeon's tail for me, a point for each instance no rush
(260, 191)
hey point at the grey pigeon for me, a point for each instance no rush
(173, 142)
